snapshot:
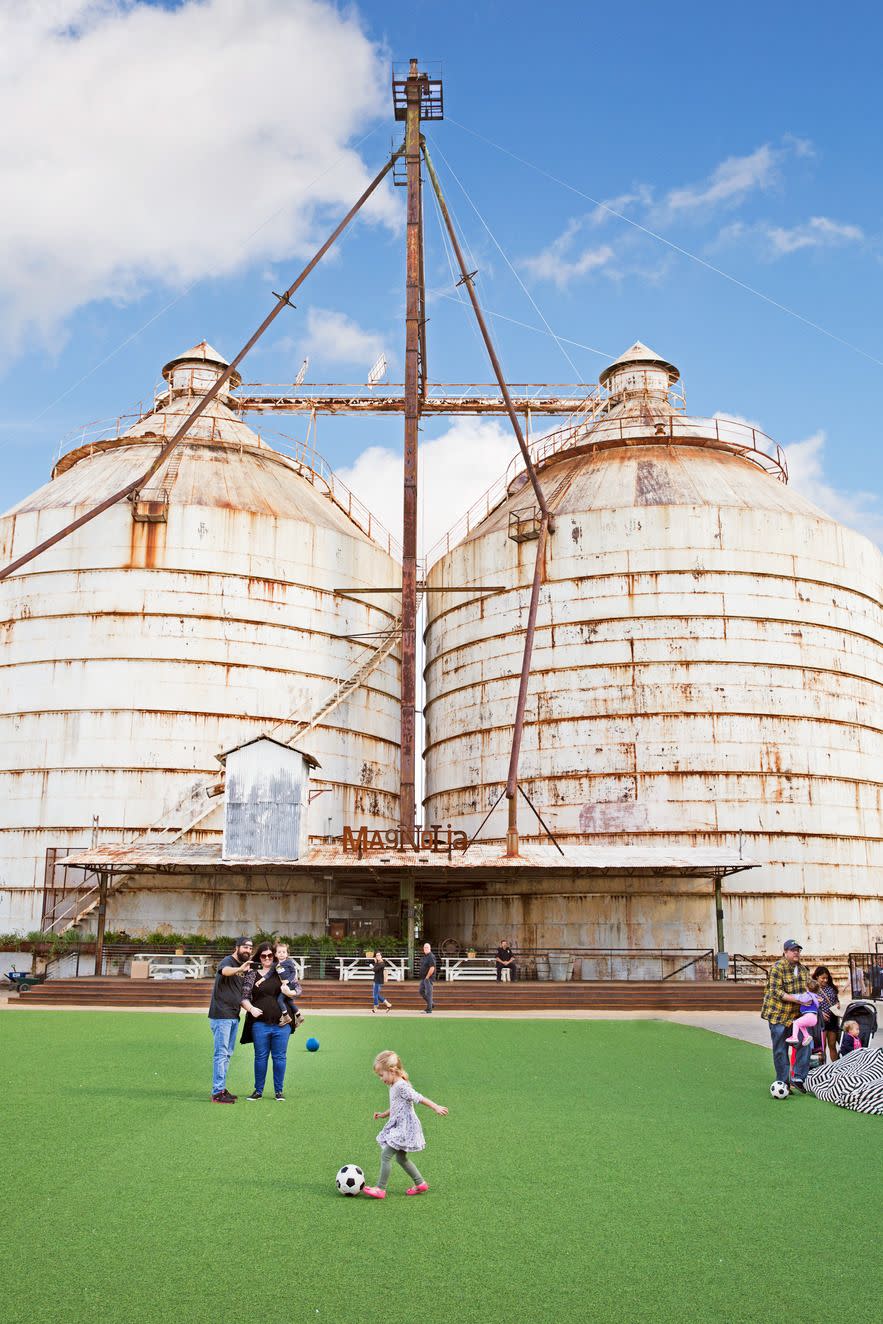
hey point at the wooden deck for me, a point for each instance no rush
(533, 995)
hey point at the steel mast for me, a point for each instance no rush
(416, 97)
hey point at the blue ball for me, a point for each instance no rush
(312, 1045)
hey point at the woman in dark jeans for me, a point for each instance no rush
(260, 999)
(830, 998)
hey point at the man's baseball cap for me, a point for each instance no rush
(790, 945)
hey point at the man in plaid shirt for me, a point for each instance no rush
(786, 979)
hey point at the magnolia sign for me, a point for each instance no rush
(359, 840)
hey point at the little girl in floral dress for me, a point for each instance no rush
(403, 1132)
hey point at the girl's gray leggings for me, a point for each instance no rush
(387, 1154)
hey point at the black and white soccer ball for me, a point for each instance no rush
(350, 1180)
(779, 1089)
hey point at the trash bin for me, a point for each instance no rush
(542, 967)
(560, 968)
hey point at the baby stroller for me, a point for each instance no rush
(864, 1013)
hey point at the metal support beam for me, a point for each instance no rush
(406, 893)
(102, 920)
(467, 280)
(282, 301)
(518, 730)
(436, 398)
(719, 919)
(413, 320)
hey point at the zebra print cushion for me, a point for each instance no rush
(855, 1081)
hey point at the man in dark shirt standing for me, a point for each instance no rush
(427, 975)
(504, 960)
(223, 1014)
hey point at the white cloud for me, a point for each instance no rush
(817, 232)
(149, 144)
(455, 470)
(560, 265)
(740, 419)
(642, 195)
(806, 474)
(333, 337)
(729, 183)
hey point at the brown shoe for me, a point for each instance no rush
(285, 1019)
(223, 1097)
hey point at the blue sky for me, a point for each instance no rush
(172, 165)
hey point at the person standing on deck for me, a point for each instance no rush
(428, 967)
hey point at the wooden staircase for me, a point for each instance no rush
(523, 996)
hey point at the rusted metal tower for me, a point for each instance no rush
(415, 98)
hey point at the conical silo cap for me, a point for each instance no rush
(202, 355)
(638, 356)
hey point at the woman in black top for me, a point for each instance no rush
(380, 967)
(260, 999)
(830, 1022)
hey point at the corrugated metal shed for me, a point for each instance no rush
(265, 800)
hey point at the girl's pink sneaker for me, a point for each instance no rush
(375, 1192)
(416, 1190)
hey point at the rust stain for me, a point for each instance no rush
(147, 545)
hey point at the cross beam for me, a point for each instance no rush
(441, 398)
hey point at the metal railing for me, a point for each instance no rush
(745, 970)
(600, 964)
(866, 974)
(611, 964)
(308, 462)
(318, 472)
(601, 431)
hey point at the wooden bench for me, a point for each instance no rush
(169, 967)
(471, 967)
(362, 967)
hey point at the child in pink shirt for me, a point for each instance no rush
(809, 1014)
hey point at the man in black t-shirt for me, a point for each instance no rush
(428, 966)
(223, 1014)
(504, 960)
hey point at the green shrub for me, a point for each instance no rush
(8, 939)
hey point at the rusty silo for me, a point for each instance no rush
(707, 670)
(173, 628)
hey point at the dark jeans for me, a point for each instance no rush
(781, 1060)
(511, 967)
(426, 992)
(270, 1040)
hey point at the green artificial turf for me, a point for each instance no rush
(589, 1170)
